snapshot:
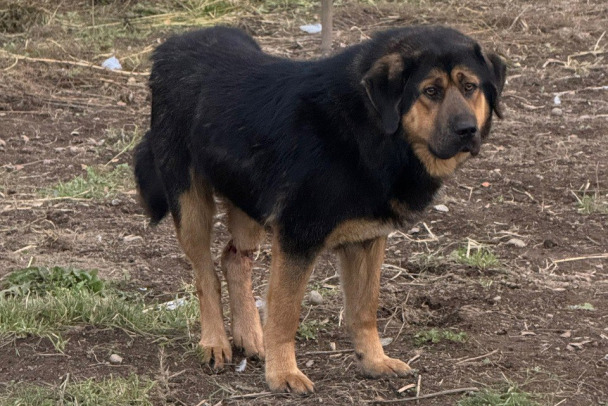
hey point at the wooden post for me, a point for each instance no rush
(326, 23)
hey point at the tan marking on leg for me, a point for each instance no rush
(194, 234)
(236, 267)
(288, 278)
(360, 265)
(359, 230)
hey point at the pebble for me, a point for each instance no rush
(315, 298)
(556, 111)
(309, 363)
(386, 341)
(115, 359)
(442, 208)
(516, 242)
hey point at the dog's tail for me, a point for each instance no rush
(151, 190)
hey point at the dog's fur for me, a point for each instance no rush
(333, 154)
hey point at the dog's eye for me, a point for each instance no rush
(469, 87)
(432, 91)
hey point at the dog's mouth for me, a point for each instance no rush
(473, 147)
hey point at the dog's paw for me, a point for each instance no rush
(385, 367)
(250, 340)
(291, 381)
(216, 352)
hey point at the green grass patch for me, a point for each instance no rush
(110, 391)
(38, 303)
(435, 336)
(511, 395)
(119, 140)
(589, 204)
(309, 329)
(97, 183)
(585, 306)
(477, 256)
(39, 281)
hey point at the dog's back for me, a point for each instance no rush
(181, 68)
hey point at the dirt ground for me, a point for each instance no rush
(521, 198)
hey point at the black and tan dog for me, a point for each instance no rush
(328, 154)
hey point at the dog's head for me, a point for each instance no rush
(439, 87)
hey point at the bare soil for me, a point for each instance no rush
(517, 315)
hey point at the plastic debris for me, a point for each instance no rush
(173, 304)
(241, 366)
(556, 100)
(112, 63)
(311, 28)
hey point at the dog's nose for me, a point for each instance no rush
(465, 127)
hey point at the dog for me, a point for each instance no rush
(332, 154)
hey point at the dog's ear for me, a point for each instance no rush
(498, 69)
(383, 83)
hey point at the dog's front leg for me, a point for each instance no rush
(288, 278)
(360, 265)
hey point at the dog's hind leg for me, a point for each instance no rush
(237, 267)
(360, 265)
(194, 225)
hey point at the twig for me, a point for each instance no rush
(430, 395)
(72, 63)
(433, 236)
(598, 256)
(327, 352)
(251, 395)
(476, 358)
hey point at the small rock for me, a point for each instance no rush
(556, 111)
(115, 359)
(549, 244)
(516, 242)
(442, 208)
(115, 202)
(309, 363)
(315, 298)
(386, 341)
(566, 334)
(496, 299)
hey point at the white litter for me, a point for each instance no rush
(260, 303)
(173, 304)
(556, 100)
(112, 63)
(241, 366)
(311, 28)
